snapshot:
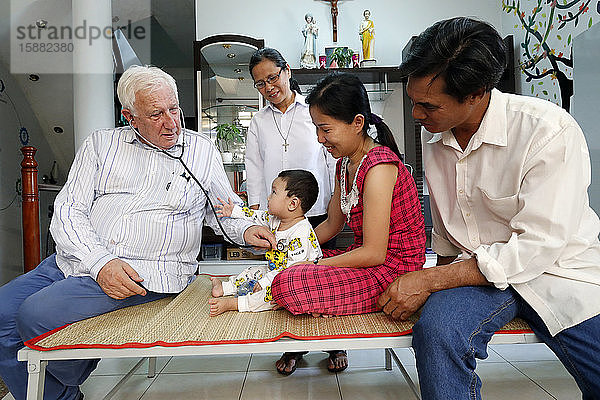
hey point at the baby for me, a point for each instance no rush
(293, 193)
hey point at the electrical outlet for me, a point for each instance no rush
(18, 186)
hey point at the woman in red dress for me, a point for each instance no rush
(374, 194)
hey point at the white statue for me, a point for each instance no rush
(310, 32)
(367, 35)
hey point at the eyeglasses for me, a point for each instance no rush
(270, 80)
(158, 115)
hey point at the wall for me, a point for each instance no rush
(11, 247)
(280, 22)
(548, 63)
(543, 32)
(586, 100)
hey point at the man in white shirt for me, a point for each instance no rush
(513, 229)
(127, 227)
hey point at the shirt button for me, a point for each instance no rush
(112, 242)
(468, 214)
(461, 191)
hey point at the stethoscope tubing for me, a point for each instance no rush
(180, 159)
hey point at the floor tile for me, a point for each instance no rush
(552, 376)
(406, 355)
(502, 381)
(305, 383)
(524, 352)
(492, 357)
(375, 384)
(121, 366)
(373, 358)
(213, 386)
(220, 363)
(96, 387)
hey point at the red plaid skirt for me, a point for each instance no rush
(341, 290)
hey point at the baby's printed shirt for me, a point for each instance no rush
(295, 244)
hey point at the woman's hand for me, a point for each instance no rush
(224, 209)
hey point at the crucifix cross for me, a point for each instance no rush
(334, 14)
(285, 145)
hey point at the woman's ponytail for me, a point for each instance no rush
(385, 135)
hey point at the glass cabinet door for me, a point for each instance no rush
(225, 96)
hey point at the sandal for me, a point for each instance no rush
(334, 356)
(286, 358)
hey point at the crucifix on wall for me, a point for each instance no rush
(334, 14)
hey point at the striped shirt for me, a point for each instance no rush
(126, 200)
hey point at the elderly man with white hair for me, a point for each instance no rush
(127, 226)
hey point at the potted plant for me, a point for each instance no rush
(227, 135)
(342, 56)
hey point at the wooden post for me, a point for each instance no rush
(31, 209)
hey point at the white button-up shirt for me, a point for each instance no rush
(126, 200)
(516, 199)
(266, 156)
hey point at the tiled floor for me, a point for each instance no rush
(511, 371)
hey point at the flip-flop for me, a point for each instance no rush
(332, 357)
(297, 356)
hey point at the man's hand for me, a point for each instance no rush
(118, 280)
(404, 296)
(260, 236)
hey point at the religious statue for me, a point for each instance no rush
(308, 59)
(367, 35)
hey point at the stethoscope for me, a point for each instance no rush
(180, 159)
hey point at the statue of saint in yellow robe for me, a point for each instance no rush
(367, 35)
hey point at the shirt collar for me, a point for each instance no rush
(299, 99)
(492, 129)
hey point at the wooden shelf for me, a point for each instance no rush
(366, 75)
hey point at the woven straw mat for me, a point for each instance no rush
(184, 320)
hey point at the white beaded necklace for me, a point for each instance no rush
(348, 201)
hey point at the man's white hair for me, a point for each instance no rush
(142, 78)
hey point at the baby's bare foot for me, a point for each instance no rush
(220, 305)
(217, 287)
(317, 315)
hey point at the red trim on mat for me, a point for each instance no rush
(32, 343)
